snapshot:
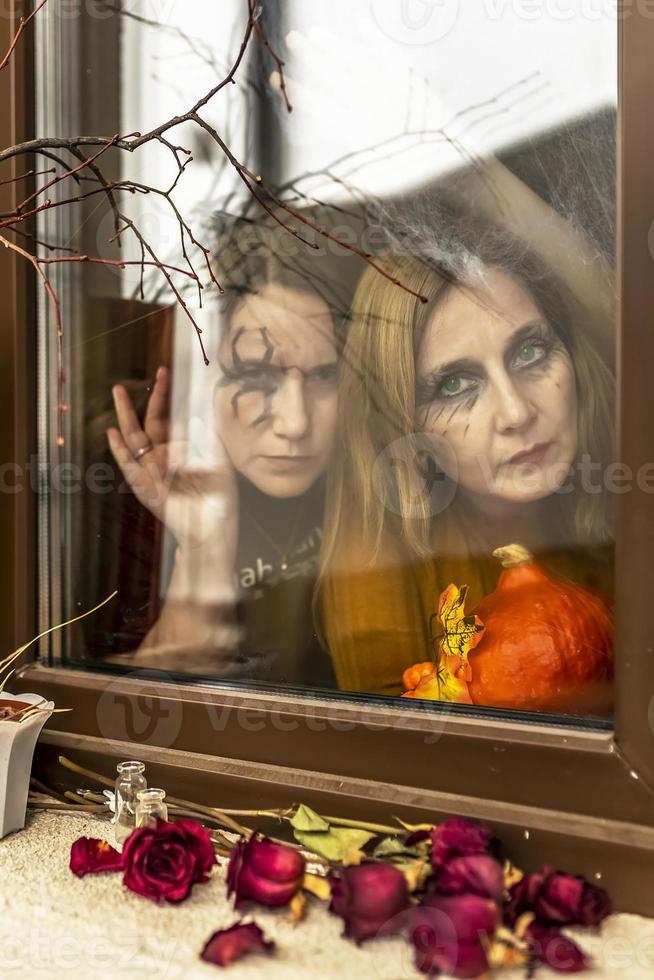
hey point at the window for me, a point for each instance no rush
(432, 382)
(485, 199)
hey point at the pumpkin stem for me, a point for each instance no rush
(512, 555)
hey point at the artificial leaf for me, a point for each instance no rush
(448, 678)
(341, 844)
(307, 819)
(461, 633)
(317, 885)
(442, 685)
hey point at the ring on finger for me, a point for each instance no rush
(142, 451)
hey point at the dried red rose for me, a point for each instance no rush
(370, 898)
(163, 863)
(88, 855)
(459, 837)
(549, 946)
(231, 944)
(559, 899)
(475, 874)
(451, 935)
(265, 872)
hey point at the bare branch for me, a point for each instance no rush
(24, 21)
(88, 169)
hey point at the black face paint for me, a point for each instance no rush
(262, 376)
(247, 374)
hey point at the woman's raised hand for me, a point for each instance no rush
(196, 502)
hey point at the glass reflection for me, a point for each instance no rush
(480, 376)
(426, 380)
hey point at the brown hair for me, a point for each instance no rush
(251, 254)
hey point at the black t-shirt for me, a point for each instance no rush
(276, 568)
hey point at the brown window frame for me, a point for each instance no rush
(578, 798)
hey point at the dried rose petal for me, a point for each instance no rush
(560, 899)
(370, 898)
(451, 935)
(228, 945)
(88, 855)
(459, 837)
(476, 874)
(265, 872)
(551, 947)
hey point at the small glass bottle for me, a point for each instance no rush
(130, 781)
(150, 806)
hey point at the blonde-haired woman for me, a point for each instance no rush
(475, 410)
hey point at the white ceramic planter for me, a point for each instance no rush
(17, 744)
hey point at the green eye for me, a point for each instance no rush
(452, 386)
(531, 352)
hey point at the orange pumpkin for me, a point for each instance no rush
(548, 642)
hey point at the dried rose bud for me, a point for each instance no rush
(264, 872)
(88, 855)
(476, 874)
(452, 935)
(560, 899)
(459, 837)
(549, 946)
(370, 898)
(228, 945)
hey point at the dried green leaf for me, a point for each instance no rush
(394, 846)
(306, 819)
(336, 844)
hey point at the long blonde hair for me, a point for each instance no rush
(377, 394)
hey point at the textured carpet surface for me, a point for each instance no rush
(54, 925)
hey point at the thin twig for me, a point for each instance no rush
(24, 21)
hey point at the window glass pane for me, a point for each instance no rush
(395, 474)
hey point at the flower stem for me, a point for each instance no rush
(67, 807)
(287, 813)
(376, 828)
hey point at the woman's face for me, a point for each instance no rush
(497, 385)
(276, 404)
